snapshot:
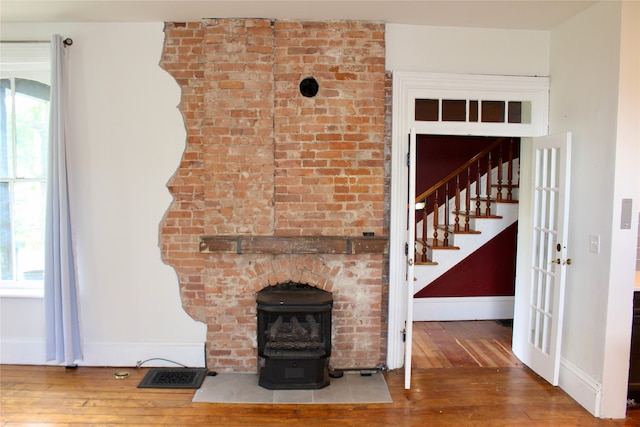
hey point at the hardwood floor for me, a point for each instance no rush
(460, 389)
(482, 344)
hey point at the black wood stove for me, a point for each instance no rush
(294, 336)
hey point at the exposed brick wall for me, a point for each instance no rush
(261, 159)
(388, 102)
(329, 149)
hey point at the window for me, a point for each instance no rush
(464, 104)
(24, 134)
(462, 110)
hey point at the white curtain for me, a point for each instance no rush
(60, 286)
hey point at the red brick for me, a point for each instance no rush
(262, 159)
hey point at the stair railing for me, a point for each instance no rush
(482, 202)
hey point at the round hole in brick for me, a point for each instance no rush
(309, 87)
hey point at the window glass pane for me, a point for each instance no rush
(427, 110)
(515, 112)
(454, 110)
(33, 88)
(519, 112)
(493, 111)
(6, 253)
(32, 128)
(473, 111)
(30, 200)
(6, 129)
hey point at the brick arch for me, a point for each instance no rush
(308, 269)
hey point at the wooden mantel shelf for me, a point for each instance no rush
(347, 245)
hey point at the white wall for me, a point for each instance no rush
(623, 241)
(467, 50)
(126, 139)
(585, 84)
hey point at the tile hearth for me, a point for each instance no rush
(244, 388)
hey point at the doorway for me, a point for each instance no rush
(479, 260)
(438, 93)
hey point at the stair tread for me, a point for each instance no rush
(440, 245)
(451, 229)
(474, 215)
(425, 263)
(493, 199)
(503, 185)
(418, 258)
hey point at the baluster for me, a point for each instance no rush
(510, 172)
(478, 197)
(435, 219)
(446, 214)
(467, 200)
(488, 211)
(424, 232)
(499, 194)
(456, 227)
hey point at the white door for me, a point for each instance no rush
(542, 260)
(410, 251)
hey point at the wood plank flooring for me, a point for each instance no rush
(456, 392)
(483, 344)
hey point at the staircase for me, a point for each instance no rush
(465, 210)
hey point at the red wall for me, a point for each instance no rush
(490, 271)
(438, 155)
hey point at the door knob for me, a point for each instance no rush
(559, 261)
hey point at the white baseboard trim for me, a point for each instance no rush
(580, 386)
(22, 352)
(129, 353)
(116, 354)
(462, 308)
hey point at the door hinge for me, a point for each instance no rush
(408, 159)
(404, 335)
(406, 249)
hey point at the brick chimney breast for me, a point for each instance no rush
(261, 159)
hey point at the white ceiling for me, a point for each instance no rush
(513, 14)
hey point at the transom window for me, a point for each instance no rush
(458, 104)
(472, 110)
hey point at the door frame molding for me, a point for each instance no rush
(406, 88)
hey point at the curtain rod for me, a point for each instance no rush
(25, 41)
(66, 42)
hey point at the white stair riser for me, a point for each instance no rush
(495, 210)
(474, 224)
(468, 243)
